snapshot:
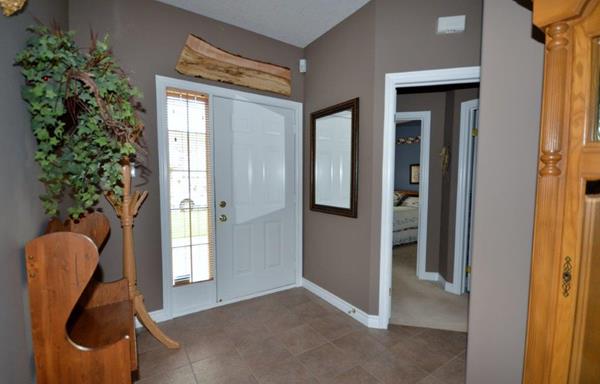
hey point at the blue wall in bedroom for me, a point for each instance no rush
(406, 154)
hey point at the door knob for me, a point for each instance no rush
(222, 204)
(223, 218)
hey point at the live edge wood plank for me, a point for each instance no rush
(201, 59)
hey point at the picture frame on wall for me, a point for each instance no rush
(414, 173)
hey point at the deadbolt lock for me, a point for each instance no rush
(223, 218)
(222, 204)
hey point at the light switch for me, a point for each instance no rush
(451, 24)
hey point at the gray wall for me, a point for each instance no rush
(351, 60)
(511, 86)
(406, 154)
(22, 214)
(147, 37)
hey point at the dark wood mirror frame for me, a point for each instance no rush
(353, 106)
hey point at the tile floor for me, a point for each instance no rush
(295, 337)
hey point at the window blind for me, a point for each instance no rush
(190, 187)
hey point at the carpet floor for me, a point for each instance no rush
(420, 303)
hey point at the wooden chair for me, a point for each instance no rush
(83, 330)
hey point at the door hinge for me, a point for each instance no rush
(475, 132)
(468, 269)
(390, 291)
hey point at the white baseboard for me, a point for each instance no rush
(430, 276)
(158, 316)
(162, 315)
(452, 288)
(371, 321)
(436, 277)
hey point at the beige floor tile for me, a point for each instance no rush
(255, 342)
(428, 350)
(327, 361)
(394, 334)
(289, 372)
(283, 322)
(160, 361)
(390, 369)
(222, 368)
(183, 375)
(453, 372)
(431, 380)
(357, 375)
(335, 325)
(262, 356)
(206, 346)
(301, 339)
(310, 310)
(360, 345)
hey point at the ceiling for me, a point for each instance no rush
(297, 22)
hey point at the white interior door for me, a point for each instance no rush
(256, 197)
(474, 123)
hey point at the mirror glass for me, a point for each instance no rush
(333, 159)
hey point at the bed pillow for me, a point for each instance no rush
(398, 198)
(411, 201)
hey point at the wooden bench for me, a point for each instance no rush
(83, 330)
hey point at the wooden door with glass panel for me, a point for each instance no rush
(563, 333)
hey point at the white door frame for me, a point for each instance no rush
(392, 82)
(162, 83)
(465, 165)
(425, 118)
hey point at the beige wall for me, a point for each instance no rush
(147, 37)
(22, 214)
(385, 36)
(511, 86)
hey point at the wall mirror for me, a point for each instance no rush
(334, 159)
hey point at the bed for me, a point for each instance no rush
(406, 217)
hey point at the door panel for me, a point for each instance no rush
(585, 367)
(254, 169)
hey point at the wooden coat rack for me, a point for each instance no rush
(126, 209)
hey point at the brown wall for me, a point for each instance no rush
(384, 36)
(147, 37)
(406, 41)
(511, 86)
(340, 67)
(445, 128)
(22, 214)
(436, 103)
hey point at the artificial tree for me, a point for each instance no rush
(84, 116)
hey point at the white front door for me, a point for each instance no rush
(256, 195)
(230, 203)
